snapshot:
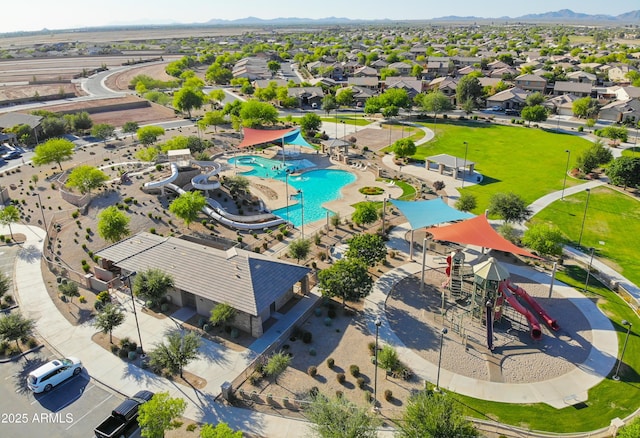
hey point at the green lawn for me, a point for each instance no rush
(529, 162)
(612, 226)
(607, 400)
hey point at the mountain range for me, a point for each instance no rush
(565, 16)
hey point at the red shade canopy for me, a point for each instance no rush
(253, 136)
(477, 231)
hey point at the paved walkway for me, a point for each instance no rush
(217, 365)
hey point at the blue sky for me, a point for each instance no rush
(64, 14)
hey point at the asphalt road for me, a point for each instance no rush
(72, 409)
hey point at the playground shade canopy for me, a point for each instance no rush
(478, 232)
(291, 136)
(422, 214)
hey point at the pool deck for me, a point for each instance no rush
(273, 192)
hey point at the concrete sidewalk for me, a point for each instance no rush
(217, 365)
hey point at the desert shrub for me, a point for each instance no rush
(354, 370)
(340, 377)
(307, 337)
(339, 394)
(360, 382)
(312, 351)
(312, 371)
(367, 394)
(254, 378)
(115, 349)
(388, 394)
(330, 362)
(372, 348)
(314, 391)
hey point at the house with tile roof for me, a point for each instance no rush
(254, 284)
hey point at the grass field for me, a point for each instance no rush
(529, 162)
(607, 400)
(612, 226)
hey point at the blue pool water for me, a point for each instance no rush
(318, 186)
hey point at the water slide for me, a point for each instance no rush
(536, 333)
(552, 323)
(163, 182)
(202, 182)
(221, 216)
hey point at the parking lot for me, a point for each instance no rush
(71, 409)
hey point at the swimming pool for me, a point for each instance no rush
(318, 186)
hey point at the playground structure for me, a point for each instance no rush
(485, 293)
(207, 181)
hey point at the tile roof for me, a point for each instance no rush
(248, 281)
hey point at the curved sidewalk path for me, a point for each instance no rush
(559, 392)
(217, 364)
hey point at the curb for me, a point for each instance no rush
(18, 356)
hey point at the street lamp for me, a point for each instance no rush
(584, 216)
(586, 283)
(464, 168)
(302, 210)
(375, 373)
(133, 303)
(616, 376)
(443, 332)
(566, 171)
(44, 221)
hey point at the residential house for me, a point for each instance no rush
(254, 284)
(582, 76)
(10, 120)
(620, 112)
(307, 96)
(437, 67)
(447, 85)
(379, 64)
(627, 93)
(403, 68)
(513, 98)
(369, 82)
(561, 105)
(618, 73)
(531, 82)
(463, 71)
(579, 89)
(252, 68)
(411, 85)
(365, 71)
(505, 72)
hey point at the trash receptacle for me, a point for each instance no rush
(226, 389)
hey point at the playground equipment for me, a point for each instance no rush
(490, 290)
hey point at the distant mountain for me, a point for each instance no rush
(255, 21)
(561, 16)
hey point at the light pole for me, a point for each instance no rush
(584, 216)
(586, 283)
(616, 376)
(443, 332)
(44, 221)
(302, 210)
(375, 373)
(286, 189)
(566, 171)
(133, 303)
(344, 128)
(464, 168)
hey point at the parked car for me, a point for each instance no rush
(512, 112)
(12, 155)
(124, 418)
(497, 109)
(52, 373)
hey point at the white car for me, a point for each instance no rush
(52, 373)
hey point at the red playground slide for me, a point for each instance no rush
(552, 323)
(536, 333)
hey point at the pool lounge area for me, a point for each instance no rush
(309, 190)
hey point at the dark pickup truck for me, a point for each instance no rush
(124, 418)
